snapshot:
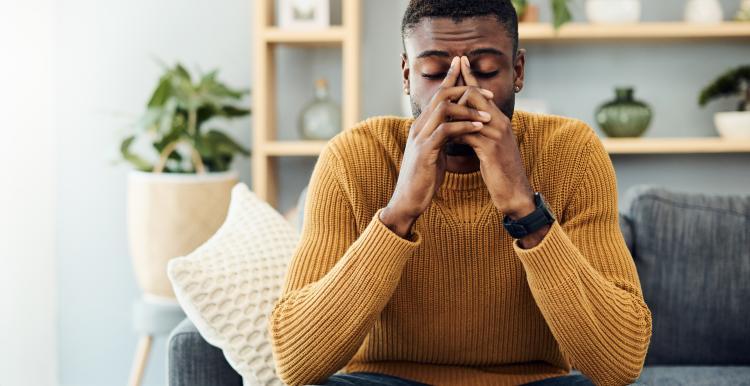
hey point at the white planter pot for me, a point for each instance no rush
(613, 11)
(733, 124)
(703, 11)
(170, 215)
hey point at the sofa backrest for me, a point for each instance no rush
(692, 252)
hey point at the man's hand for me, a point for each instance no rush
(423, 165)
(500, 159)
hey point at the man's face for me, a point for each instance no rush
(432, 44)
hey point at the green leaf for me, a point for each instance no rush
(728, 84)
(162, 93)
(138, 162)
(224, 143)
(181, 72)
(520, 6)
(233, 111)
(560, 13)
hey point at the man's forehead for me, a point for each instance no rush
(447, 37)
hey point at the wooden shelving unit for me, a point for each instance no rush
(266, 148)
(675, 145)
(543, 32)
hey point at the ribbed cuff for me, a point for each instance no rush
(552, 262)
(387, 236)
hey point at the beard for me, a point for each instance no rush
(451, 148)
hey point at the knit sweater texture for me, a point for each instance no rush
(461, 302)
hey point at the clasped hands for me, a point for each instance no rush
(468, 115)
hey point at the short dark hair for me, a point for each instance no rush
(503, 11)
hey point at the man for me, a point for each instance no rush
(470, 245)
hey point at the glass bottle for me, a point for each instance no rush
(321, 118)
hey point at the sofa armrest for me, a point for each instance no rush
(192, 361)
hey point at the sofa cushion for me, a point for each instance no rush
(695, 376)
(228, 285)
(693, 257)
(192, 361)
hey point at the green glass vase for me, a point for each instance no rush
(624, 116)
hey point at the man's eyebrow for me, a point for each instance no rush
(483, 51)
(476, 52)
(443, 54)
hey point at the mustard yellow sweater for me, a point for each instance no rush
(461, 303)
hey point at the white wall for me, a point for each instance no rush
(28, 339)
(105, 71)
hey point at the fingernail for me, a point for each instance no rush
(477, 124)
(465, 60)
(455, 60)
(485, 115)
(487, 93)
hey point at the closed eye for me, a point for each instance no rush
(441, 75)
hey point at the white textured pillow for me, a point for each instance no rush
(228, 285)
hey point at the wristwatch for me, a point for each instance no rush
(530, 223)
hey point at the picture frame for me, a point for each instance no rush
(304, 14)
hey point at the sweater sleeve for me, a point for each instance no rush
(585, 283)
(337, 283)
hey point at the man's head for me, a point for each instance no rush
(434, 31)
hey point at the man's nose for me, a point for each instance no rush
(460, 81)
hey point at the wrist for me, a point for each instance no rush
(397, 221)
(520, 207)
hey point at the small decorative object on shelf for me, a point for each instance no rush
(527, 13)
(304, 14)
(735, 82)
(744, 13)
(624, 116)
(613, 11)
(703, 11)
(530, 12)
(321, 118)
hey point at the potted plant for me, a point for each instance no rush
(733, 83)
(179, 196)
(560, 11)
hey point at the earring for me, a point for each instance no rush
(518, 89)
(406, 90)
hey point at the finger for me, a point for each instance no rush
(453, 94)
(447, 94)
(469, 77)
(456, 112)
(451, 77)
(486, 93)
(452, 129)
(472, 139)
(478, 101)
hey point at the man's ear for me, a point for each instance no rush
(405, 71)
(519, 68)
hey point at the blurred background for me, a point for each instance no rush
(77, 76)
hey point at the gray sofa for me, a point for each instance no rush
(693, 257)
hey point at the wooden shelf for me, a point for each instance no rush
(292, 148)
(329, 36)
(612, 145)
(543, 32)
(675, 145)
